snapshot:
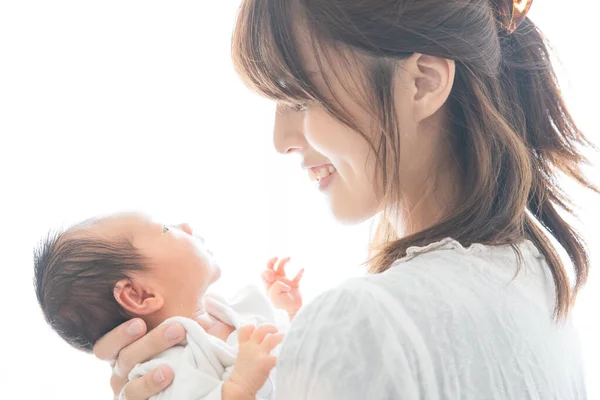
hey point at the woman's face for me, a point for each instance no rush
(336, 158)
(341, 161)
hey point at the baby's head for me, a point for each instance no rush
(98, 274)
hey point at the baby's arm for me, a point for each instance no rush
(196, 378)
(284, 293)
(254, 362)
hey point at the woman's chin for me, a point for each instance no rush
(351, 206)
(345, 214)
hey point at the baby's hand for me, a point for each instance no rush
(254, 361)
(283, 292)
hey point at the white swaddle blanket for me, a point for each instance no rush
(202, 362)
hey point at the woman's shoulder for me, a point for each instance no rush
(451, 252)
(448, 262)
(432, 281)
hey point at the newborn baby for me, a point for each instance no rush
(101, 273)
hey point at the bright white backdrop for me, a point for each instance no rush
(134, 105)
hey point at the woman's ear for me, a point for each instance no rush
(137, 297)
(431, 81)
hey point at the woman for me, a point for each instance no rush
(442, 117)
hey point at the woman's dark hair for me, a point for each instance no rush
(513, 135)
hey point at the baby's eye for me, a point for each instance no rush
(297, 107)
(165, 229)
(300, 107)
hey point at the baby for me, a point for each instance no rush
(101, 273)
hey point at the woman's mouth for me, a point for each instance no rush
(322, 175)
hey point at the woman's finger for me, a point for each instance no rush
(149, 346)
(151, 384)
(117, 383)
(109, 346)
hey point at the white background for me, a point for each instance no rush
(133, 105)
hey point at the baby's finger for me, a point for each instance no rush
(271, 263)
(299, 276)
(268, 276)
(262, 331)
(271, 362)
(280, 287)
(272, 341)
(287, 281)
(281, 266)
(245, 333)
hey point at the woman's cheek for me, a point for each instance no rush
(324, 133)
(312, 129)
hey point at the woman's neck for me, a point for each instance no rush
(428, 202)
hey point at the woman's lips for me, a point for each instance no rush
(322, 175)
(321, 172)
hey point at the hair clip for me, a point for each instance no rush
(516, 11)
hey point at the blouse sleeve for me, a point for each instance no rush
(350, 343)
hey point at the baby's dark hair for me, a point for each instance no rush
(75, 277)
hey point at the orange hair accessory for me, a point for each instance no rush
(516, 11)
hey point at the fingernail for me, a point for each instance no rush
(159, 375)
(135, 328)
(174, 332)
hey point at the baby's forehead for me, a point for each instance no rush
(116, 225)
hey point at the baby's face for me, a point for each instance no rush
(179, 264)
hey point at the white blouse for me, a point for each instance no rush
(445, 322)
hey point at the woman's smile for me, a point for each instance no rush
(322, 174)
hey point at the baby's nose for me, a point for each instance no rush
(186, 228)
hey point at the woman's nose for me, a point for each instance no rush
(288, 134)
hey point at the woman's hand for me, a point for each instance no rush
(283, 292)
(128, 345)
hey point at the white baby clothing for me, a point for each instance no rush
(201, 363)
(443, 323)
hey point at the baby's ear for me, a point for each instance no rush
(137, 298)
